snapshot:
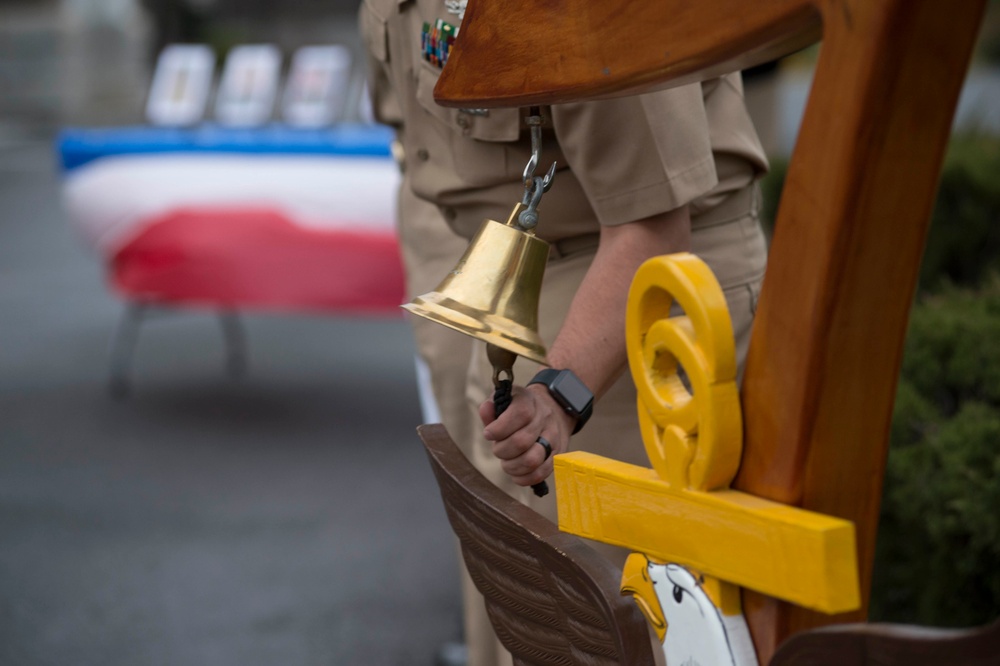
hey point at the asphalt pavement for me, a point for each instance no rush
(288, 517)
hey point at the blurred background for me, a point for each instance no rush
(289, 516)
(285, 517)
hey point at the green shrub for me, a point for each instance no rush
(963, 245)
(938, 553)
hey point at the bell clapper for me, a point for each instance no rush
(502, 361)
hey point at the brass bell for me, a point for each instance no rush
(493, 292)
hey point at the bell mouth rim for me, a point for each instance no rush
(484, 326)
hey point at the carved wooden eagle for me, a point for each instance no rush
(551, 598)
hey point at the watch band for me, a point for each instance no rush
(544, 376)
(569, 391)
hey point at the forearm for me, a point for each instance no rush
(591, 341)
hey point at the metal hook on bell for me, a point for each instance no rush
(527, 219)
(534, 186)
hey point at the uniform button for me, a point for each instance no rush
(463, 121)
(423, 155)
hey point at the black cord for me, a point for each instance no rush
(502, 397)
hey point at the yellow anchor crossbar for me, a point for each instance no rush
(799, 556)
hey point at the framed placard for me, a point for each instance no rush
(249, 85)
(316, 86)
(181, 85)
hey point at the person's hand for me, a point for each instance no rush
(532, 413)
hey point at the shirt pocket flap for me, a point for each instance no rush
(494, 125)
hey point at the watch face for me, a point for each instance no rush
(575, 392)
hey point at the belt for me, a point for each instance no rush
(567, 246)
(735, 207)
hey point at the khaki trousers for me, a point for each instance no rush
(461, 375)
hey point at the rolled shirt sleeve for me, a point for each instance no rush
(638, 156)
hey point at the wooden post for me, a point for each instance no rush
(827, 345)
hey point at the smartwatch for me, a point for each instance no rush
(571, 393)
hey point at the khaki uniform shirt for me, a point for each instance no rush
(470, 162)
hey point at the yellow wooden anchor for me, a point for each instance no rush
(682, 510)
